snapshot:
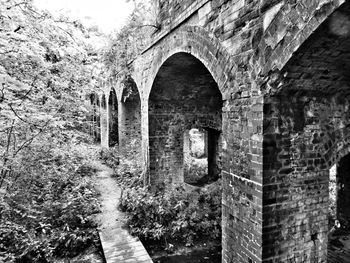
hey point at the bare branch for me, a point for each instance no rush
(18, 4)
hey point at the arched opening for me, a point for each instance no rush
(307, 118)
(184, 97)
(131, 118)
(113, 118)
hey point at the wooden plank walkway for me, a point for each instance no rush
(118, 245)
(339, 247)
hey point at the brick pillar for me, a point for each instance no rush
(145, 142)
(122, 123)
(295, 189)
(242, 181)
(104, 127)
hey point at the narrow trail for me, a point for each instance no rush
(118, 245)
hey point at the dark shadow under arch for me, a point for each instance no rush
(131, 117)
(113, 119)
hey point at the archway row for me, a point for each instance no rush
(120, 120)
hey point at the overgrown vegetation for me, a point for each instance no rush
(48, 212)
(172, 216)
(175, 215)
(46, 201)
(126, 44)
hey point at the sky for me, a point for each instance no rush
(108, 15)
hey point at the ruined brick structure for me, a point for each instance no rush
(269, 80)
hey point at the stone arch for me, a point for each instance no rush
(199, 43)
(184, 96)
(306, 130)
(286, 27)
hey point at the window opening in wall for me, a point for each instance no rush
(332, 210)
(339, 212)
(196, 156)
(201, 156)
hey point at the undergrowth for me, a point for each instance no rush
(48, 213)
(174, 215)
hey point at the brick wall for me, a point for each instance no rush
(183, 96)
(130, 118)
(283, 121)
(306, 131)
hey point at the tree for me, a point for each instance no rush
(47, 67)
(125, 45)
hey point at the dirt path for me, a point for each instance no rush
(118, 245)
(110, 216)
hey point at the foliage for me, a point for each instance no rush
(44, 216)
(45, 74)
(174, 214)
(45, 70)
(126, 162)
(196, 171)
(127, 43)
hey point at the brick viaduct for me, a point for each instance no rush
(269, 81)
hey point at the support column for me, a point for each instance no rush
(242, 180)
(122, 124)
(104, 122)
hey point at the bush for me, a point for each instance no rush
(174, 214)
(196, 171)
(126, 163)
(48, 213)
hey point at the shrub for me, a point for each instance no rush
(174, 214)
(126, 163)
(48, 214)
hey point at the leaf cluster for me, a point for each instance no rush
(48, 213)
(46, 69)
(126, 44)
(175, 214)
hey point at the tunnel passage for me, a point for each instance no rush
(131, 116)
(184, 96)
(201, 150)
(306, 124)
(113, 119)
